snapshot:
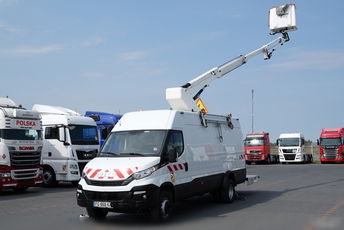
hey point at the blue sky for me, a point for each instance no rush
(119, 56)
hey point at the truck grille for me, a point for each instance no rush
(24, 174)
(331, 154)
(255, 152)
(81, 166)
(86, 154)
(105, 196)
(25, 159)
(109, 183)
(287, 150)
(289, 157)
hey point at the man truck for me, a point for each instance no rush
(152, 159)
(69, 142)
(105, 123)
(20, 147)
(331, 143)
(291, 148)
(257, 149)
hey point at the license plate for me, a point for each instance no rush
(102, 204)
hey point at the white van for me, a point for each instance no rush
(153, 158)
(69, 142)
(291, 148)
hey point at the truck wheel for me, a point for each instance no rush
(268, 160)
(21, 189)
(164, 208)
(49, 178)
(97, 213)
(227, 193)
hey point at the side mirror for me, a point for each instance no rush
(62, 135)
(318, 142)
(277, 141)
(172, 155)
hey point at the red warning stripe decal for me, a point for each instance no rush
(176, 167)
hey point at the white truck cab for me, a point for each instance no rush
(154, 158)
(291, 148)
(69, 142)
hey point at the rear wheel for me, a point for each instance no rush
(97, 213)
(49, 178)
(227, 192)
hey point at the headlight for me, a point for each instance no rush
(5, 175)
(144, 173)
(294, 150)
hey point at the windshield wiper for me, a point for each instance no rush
(108, 153)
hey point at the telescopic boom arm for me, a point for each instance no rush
(184, 97)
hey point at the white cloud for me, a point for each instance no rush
(132, 55)
(93, 42)
(29, 50)
(315, 59)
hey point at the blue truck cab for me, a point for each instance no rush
(105, 122)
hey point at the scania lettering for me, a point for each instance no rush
(291, 148)
(257, 149)
(153, 158)
(69, 142)
(331, 145)
(20, 147)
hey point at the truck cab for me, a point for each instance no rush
(20, 147)
(257, 148)
(291, 148)
(331, 143)
(69, 142)
(105, 123)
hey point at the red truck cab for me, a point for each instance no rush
(257, 148)
(331, 145)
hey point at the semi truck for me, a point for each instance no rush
(257, 149)
(331, 143)
(291, 148)
(152, 159)
(70, 140)
(105, 122)
(20, 147)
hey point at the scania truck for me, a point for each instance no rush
(331, 144)
(69, 142)
(20, 147)
(291, 148)
(257, 149)
(152, 159)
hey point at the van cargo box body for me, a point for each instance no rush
(208, 153)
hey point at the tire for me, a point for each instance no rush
(21, 189)
(49, 178)
(164, 208)
(268, 161)
(97, 213)
(227, 192)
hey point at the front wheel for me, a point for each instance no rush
(97, 213)
(49, 178)
(164, 208)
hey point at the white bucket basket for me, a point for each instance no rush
(282, 18)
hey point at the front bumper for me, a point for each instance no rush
(137, 199)
(11, 183)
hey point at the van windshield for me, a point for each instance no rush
(21, 134)
(254, 141)
(134, 143)
(289, 142)
(83, 134)
(330, 141)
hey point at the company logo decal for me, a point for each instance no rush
(3, 156)
(26, 148)
(109, 174)
(25, 123)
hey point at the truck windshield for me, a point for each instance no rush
(134, 143)
(254, 141)
(330, 141)
(21, 134)
(289, 142)
(83, 134)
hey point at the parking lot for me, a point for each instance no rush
(293, 196)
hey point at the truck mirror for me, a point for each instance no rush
(277, 141)
(172, 155)
(62, 135)
(318, 142)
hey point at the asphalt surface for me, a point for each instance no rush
(293, 196)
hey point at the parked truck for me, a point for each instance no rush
(69, 142)
(331, 144)
(257, 149)
(20, 147)
(152, 159)
(105, 122)
(291, 148)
